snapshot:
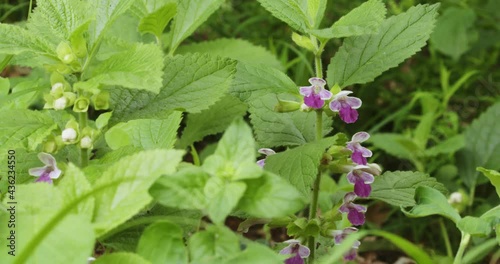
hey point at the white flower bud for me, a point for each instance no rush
(86, 142)
(60, 103)
(68, 58)
(57, 86)
(455, 198)
(68, 135)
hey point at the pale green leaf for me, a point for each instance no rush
(449, 145)
(362, 58)
(29, 160)
(362, 20)
(184, 189)
(190, 15)
(20, 40)
(139, 67)
(316, 11)
(256, 253)
(156, 22)
(474, 226)
(270, 197)
(396, 144)
(423, 130)
(212, 120)
(163, 242)
(121, 258)
(237, 144)
(123, 186)
(454, 32)
(292, 12)
(236, 49)
(482, 146)
(299, 166)
(283, 129)
(145, 133)
(222, 198)
(430, 201)
(73, 185)
(24, 128)
(398, 187)
(4, 86)
(191, 83)
(212, 245)
(251, 82)
(107, 11)
(493, 176)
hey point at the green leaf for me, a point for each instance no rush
(482, 146)
(398, 188)
(163, 242)
(184, 189)
(222, 198)
(25, 161)
(396, 144)
(73, 185)
(237, 144)
(252, 82)
(299, 165)
(257, 253)
(480, 251)
(448, 146)
(212, 120)
(423, 130)
(270, 197)
(107, 11)
(292, 12)
(474, 226)
(191, 83)
(454, 32)
(4, 86)
(138, 67)
(431, 202)
(20, 40)
(362, 20)
(145, 133)
(124, 186)
(121, 258)
(362, 58)
(283, 129)
(24, 128)
(493, 176)
(215, 243)
(236, 49)
(158, 20)
(190, 15)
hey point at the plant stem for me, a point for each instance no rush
(446, 238)
(461, 249)
(84, 154)
(196, 157)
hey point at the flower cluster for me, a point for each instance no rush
(340, 235)
(316, 95)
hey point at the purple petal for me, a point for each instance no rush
(366, 177)
(55, 174)
(313, 101)
(350, 255)
(335, 105)
(348, 115)
(358, 158)
(360, 137)
(365, 152)
(266, 151)
(351, 177)
(315, 81)
(295, 260)
(362, 189)
(354, 102)
(325, 94)
(306, 90)
(287, 250)
(44, 178)
(37, 171)
(304, 251)
(342, 94)
(261, 162)
(356, 218)
(344, 209)
(349, 197)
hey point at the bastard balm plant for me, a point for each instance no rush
(129, 143)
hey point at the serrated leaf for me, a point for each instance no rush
(493, 176)
(145, 133)
(430, 201)
(362, 20)
(183, 189)
(191, 83)
(138, 67)
(292, 12)
(362, 58)
(214, 244)
(121, 258)
(222, 198)
(190, 15)
(474, 226)
(283, 129)
(213, 120)
(156, 22)
(396, 144)
(398, 188)
(24, 128)
(29, 160)
(251, 82)
(124, 186)
(107, 12)
(236, 49)
(299, 165)
(163, 242)
(482, 146)
(270, 196)
(449, 145)
(20, 40)
(73, 185)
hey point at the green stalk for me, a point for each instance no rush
(84, 156)
(446, 238)
(461, 249)
(196, 157)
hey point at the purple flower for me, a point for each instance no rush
(298, 251)
(359, 153)
(315, 95)
(355, 212)
(361, 180)
(346, 106)
(340, 235)
(267, 152)
(49, 171)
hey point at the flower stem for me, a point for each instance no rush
(461, 249)
(84, 154)
(446, 238)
